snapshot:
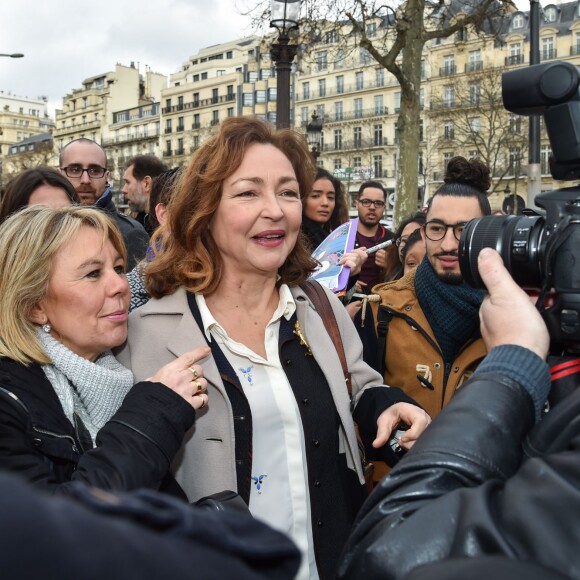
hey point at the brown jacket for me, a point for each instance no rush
(412, 350)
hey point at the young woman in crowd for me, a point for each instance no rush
(278, 426)
(413, 251)
(37, 186)
(69, 410)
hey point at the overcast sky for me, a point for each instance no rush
(67, 41)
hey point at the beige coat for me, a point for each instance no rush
(164, 329)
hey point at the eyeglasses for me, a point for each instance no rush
(401, 241)
(373, 202)
(76, 171)
(436, 230)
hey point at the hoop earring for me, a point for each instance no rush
(46, 327)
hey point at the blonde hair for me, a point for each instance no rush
(29, 243)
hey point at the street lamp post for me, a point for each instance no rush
(285, 14)
(314, 136)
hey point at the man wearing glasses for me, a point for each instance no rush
(428, 321)
(370, 203)
(84, 163)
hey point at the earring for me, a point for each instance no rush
(46, 327)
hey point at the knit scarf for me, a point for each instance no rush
(452, 310)
(91, 390)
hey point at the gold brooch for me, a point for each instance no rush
(303, 341)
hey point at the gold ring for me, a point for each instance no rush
(193, 372)
(202, 402)
(198, 386)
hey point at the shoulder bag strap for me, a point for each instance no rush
(319, 299)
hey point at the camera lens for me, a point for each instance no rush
(517, 239)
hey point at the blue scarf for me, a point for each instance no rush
(452, 310)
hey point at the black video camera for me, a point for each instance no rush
(540, 252)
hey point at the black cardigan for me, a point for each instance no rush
(133, 450)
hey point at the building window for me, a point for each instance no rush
(357, 162)
(304, 114)
(550, 14)
(474, 63)
(515, 123)
(180, 124)
(261, 96)
(421, 130)
(215, 117)
(380, 77)
(322, 60)
(378, 165)
(357, 137)
(360, 81)
(179, 103)
(449, 95)
(379, 109)
(230, 112)
(397, 98)
(548, 50)
(168, 126)
(446, 159)
(515, 54)
(475, 125)
(339, 84)
(338, 139)
(448, 65)
(338, 110)
(448, 130)
(339, 58)
(306, 90)
(364, 57)
(358, 108)
(514, 160)
(474, 93)
(320, 111)
(167, 104)
(337, 164)
(203, 76)
(331, 37)
(422, 69)
(378, 135)
(545, 153)
(518, 21)
(229, 54)
(180, 150)
(421, 98)
(322, 87)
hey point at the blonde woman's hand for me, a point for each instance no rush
(185, 377)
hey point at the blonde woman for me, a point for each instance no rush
(68, 412)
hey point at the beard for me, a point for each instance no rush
(450, 278)
(367, 223)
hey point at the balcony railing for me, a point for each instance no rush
(474, 66)
(549, 54)
(514, 59)
(448, 70)
(197, 103)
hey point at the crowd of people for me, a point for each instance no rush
(228, 375)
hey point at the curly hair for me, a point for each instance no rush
(188, 257)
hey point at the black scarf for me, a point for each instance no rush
(452, 310)
(314, 232)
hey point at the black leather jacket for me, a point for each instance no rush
(133, 450)
(483, 480)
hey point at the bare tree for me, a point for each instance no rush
(477, 123)
(410, 25)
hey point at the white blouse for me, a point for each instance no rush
(279, 494)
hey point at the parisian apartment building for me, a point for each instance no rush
(130, 111)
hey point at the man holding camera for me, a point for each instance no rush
(427, 322)
(487, 486)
